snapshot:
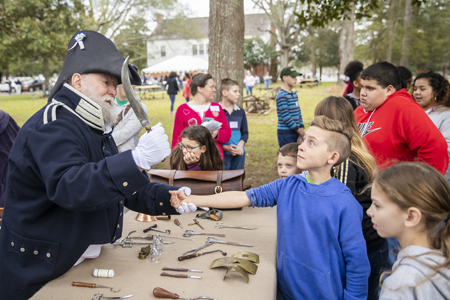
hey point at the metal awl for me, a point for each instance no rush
(189, 233)
(99, 296)
(221, 225)
(196, 223)
(93, 285)
(181, 270)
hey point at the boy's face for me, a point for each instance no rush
(232, 94)
(373, 95)
(287, 166)
(290, 81)
(313, 151)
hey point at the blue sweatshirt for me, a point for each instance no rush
(288, 111)
(321, 252)
(239, 128)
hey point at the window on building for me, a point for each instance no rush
(201, 49)
(163, 51)
(194, 49)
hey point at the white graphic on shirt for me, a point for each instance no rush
(367, 128)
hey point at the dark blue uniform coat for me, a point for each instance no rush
(66, 190)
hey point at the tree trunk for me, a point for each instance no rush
(391, 29)
(274, 62)
(404, 61)
(346, 43)
(284, 57)
(46, 73)
(445, 70)
(313, 59)
(226, 42)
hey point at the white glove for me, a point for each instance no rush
(186, 208)
(153, 148)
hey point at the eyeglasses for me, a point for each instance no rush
(188, 149)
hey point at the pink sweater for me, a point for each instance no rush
(186, 116)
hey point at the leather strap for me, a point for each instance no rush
(218, 188)
(172, 176)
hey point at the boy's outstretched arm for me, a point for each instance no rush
(222, 200)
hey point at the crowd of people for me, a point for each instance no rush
(363, 206)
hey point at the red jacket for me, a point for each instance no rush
(399, 130)
(186, 116)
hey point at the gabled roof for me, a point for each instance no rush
(197, 28)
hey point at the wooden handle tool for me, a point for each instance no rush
(181, 270)
(84, 284)
(179, 275)
(162, 293)
(148, 229)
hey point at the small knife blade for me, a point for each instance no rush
(181, 270)
(180, 275)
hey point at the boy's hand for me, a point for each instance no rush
(239, 150)
(190, 158)
(229, 148)
(215, 133)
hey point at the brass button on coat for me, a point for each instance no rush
(48, 255)
(125, 183)
(35, 252)
(12, 244)
(22, 249)
(160, 203)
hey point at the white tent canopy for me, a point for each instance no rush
(179, 64)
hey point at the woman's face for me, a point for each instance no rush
(208, 91)
(424, 94)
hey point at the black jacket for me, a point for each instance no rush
(66, 190)
(354, 177)
(172, 84)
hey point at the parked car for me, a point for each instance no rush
(4, 87)
(32, 85)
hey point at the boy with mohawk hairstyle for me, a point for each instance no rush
(321, 252)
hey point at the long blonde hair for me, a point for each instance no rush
(338, 108)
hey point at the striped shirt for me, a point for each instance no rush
(288, 110)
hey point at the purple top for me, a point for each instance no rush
(194, 167)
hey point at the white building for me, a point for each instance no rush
(165, 44)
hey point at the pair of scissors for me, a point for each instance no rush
(99, 296)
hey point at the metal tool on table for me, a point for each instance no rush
(212, 240)
(189, 233)
(253, 257)
(162, 293)
(196, 223)
(151, 236)
(99, 296)
(178, 223)
(234, 264)
(127, 241)
(181, 270)
(180, 275)
(221, 225)
(93, 285)
(184, 257)
(153, 227)
(148, 218)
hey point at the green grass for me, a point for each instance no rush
(262, 145)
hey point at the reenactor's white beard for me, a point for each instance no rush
(106, 102)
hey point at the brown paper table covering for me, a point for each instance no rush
(139, 277)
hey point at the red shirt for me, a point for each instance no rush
(399, 130)
(186, 116)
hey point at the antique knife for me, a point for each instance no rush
(179, 275)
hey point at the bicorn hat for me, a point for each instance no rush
(92, 52)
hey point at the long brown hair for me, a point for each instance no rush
(209, 161)
(412, 184)
(338, 108)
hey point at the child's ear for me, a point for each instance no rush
(356, 83)
(224, 93)
(334, 158)
(413, 217)
(390, 90)
(203, 149)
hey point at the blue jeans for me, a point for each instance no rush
(172, 101)
(249, 89)
(187, 99)
(266, 84)
(233, 162)
(286, 137)
(379, 262)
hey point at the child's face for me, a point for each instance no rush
(313, 151)
(290, 81)
(192, 146)
(232, 94)
(387, 217)
(423, 93)
(287, 166)
(373, 95)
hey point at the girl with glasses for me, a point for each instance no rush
(196, 151)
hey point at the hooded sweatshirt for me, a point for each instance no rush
(399, 130)
(321, 252)
(413, 265)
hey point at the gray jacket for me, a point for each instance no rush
(441, 118)
(407, 281)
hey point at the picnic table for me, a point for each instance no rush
(308, 82)
(149, 91)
